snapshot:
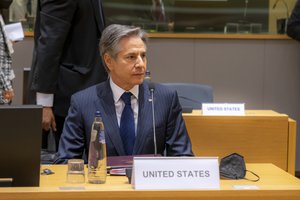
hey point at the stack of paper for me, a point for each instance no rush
(14, 31)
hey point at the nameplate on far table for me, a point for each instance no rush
(223, 109)
(175, 173)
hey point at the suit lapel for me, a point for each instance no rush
(144, 118)
(99, 15)
(106, 102)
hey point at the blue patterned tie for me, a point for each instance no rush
(127, 124)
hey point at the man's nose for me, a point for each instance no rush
(140, 60)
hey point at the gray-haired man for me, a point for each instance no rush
(123, 50)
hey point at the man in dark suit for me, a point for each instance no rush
(293, 27)
(123, 50)
(66, 57)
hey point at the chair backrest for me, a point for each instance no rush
(192, 95)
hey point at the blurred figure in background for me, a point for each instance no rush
(66, 57)
(6, 71)
(33, 5)
(158, 11)
(293, 27)
(18, 10)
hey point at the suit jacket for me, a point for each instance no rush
(171, 133)
(66, 56)
(293, 27)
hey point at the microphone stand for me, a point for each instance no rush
(153, 120)
(151, 89)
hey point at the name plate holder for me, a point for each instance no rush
(175, 173)
(223, 109)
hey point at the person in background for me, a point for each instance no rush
(158, 11)
(33, 6)
(124, 101)
(293, 26)
(66, 57)
(6, 71)
(18, 10)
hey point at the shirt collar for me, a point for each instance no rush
(117, 91)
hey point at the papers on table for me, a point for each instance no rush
(14, 31)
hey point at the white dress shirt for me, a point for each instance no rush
(45, 100)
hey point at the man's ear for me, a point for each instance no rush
(108, 61)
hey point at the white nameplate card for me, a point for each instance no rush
(175, 173)
(223, 109)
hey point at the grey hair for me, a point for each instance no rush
(113, 34)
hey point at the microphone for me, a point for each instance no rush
(152, 89)
(147, 76)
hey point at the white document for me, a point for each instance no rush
(14, 31)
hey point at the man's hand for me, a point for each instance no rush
(9, 95)
(48, 119)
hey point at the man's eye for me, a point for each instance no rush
(131, 57)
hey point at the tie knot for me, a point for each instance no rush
(126, 97)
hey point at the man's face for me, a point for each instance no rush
(129, 68)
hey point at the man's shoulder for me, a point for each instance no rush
(163, 89)
(90, 91)
(157, 86)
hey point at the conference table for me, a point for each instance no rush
(274, 184)
(261, 136)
